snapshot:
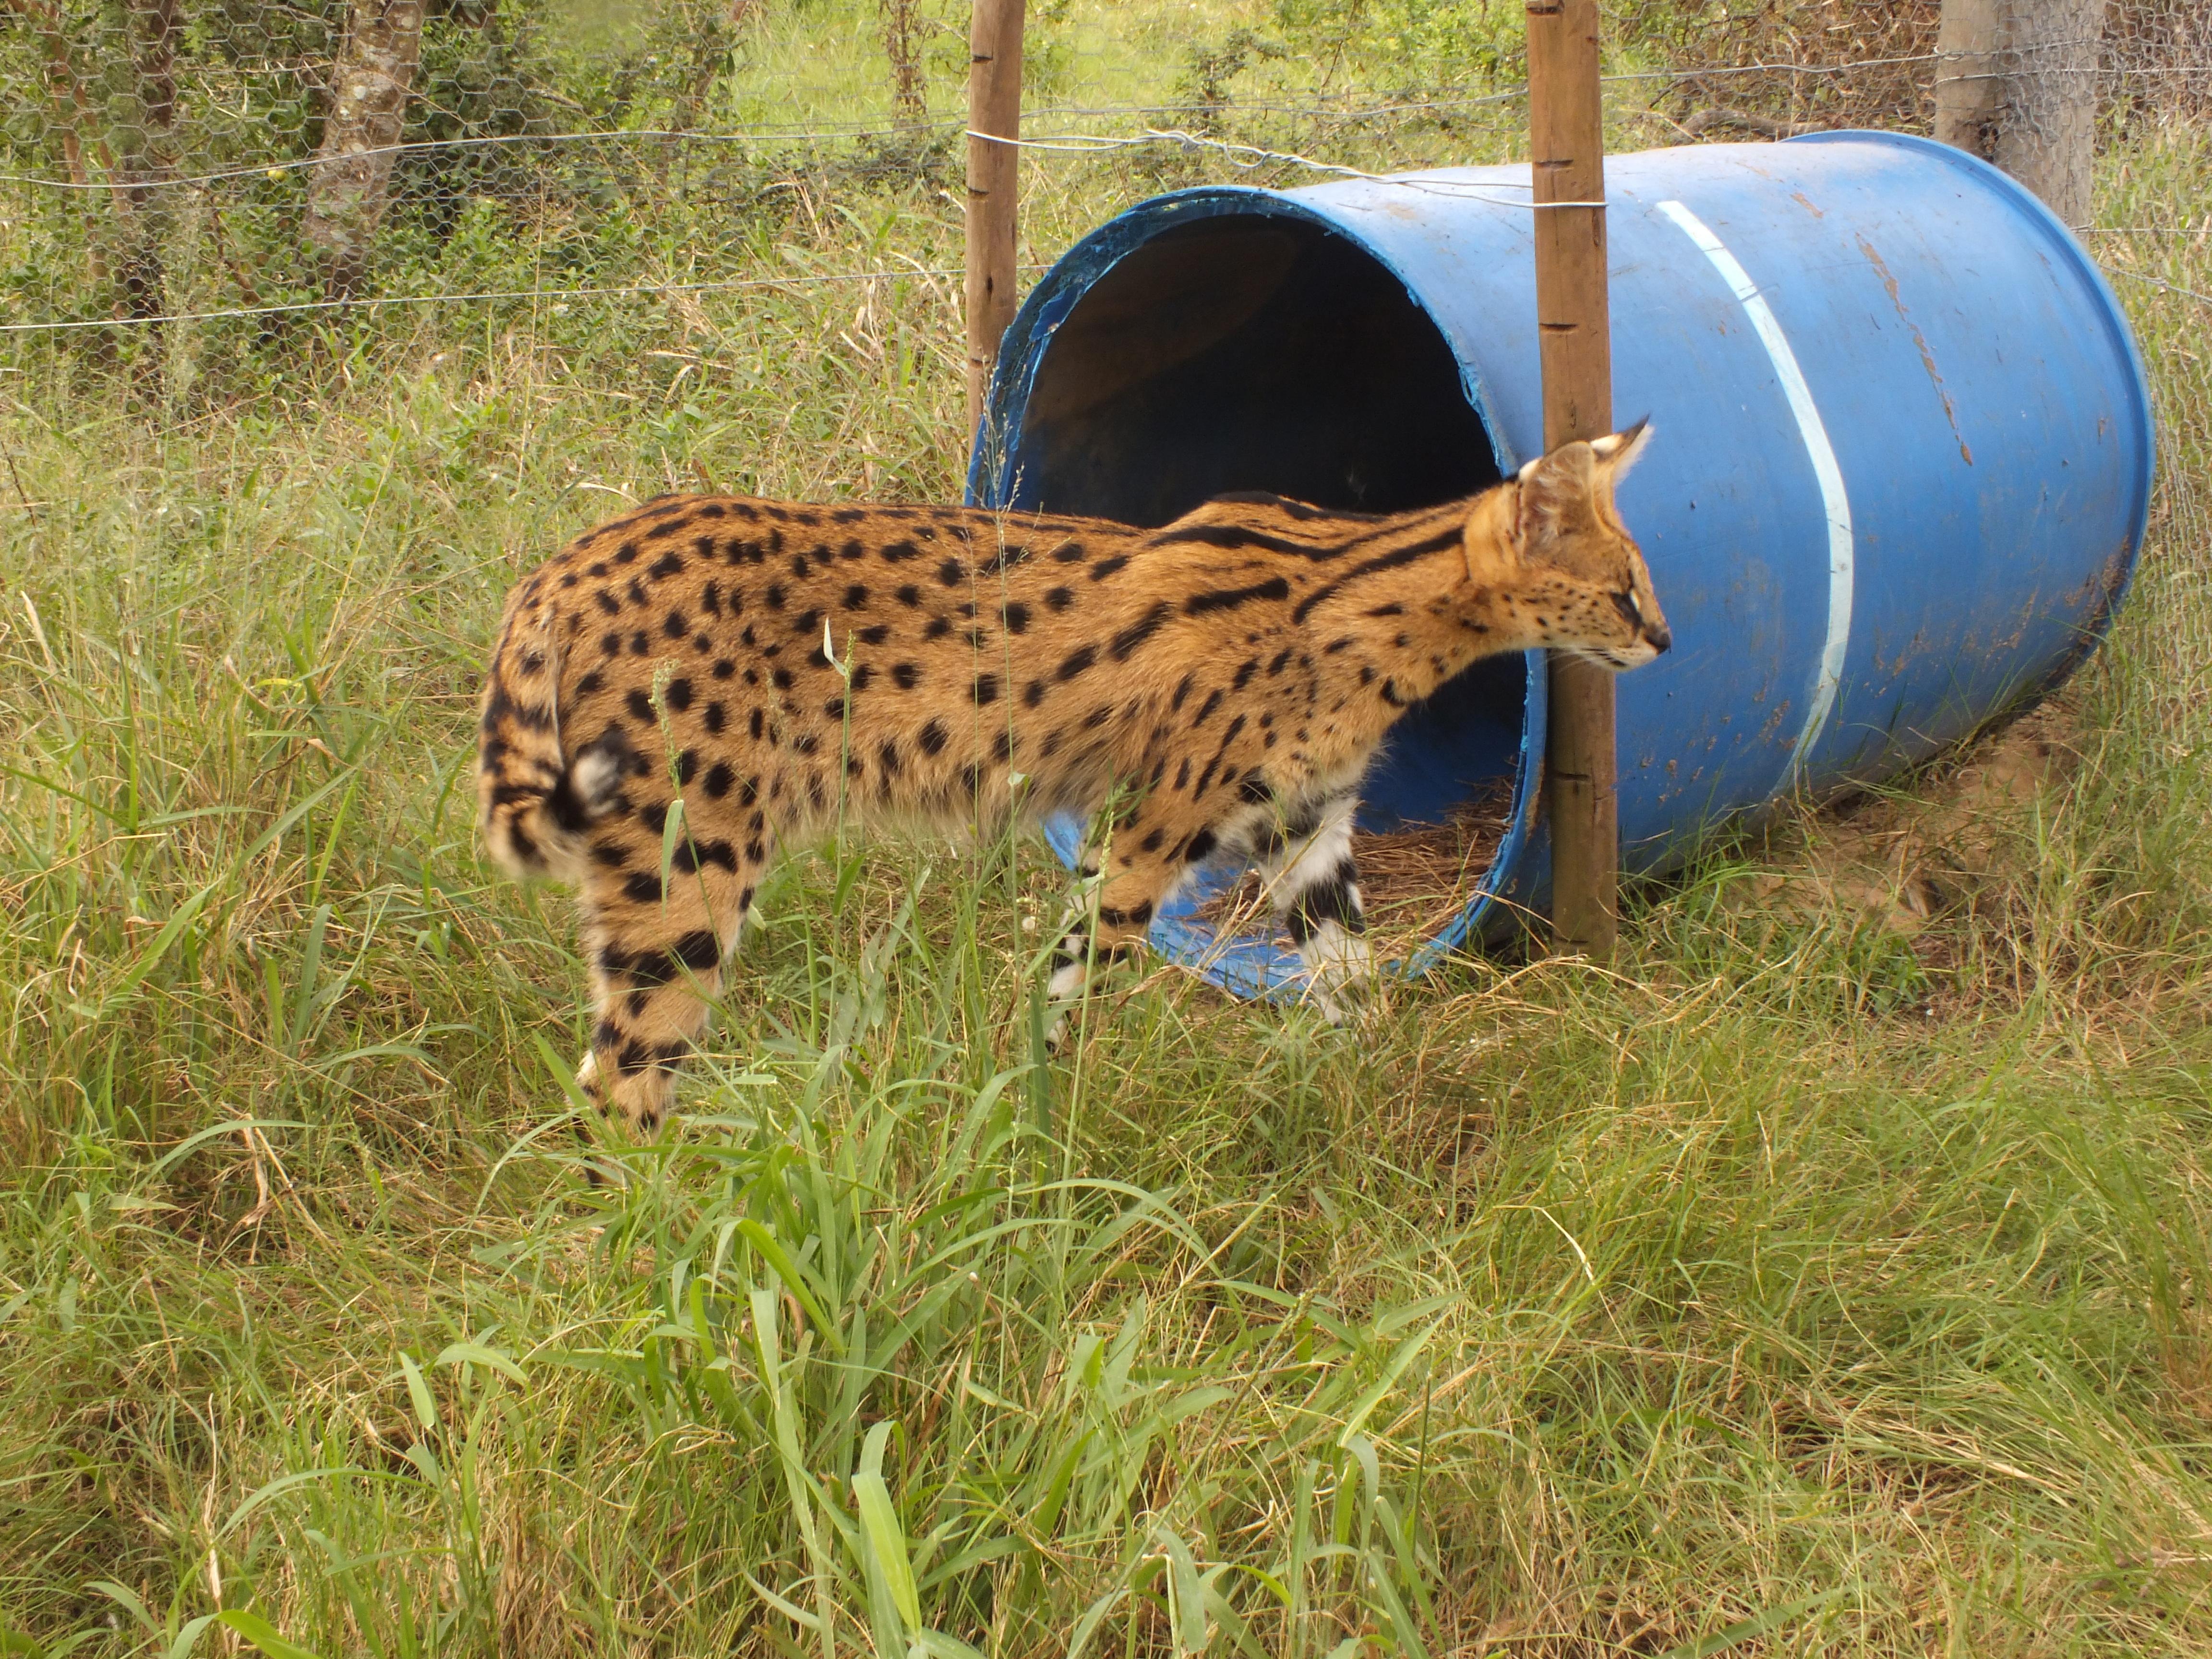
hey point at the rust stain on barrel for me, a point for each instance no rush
(1927, 357)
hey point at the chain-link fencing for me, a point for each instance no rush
(192, 188)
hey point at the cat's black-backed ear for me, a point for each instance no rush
(1556, 491)
(1620, 451)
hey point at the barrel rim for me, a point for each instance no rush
(1243, 965)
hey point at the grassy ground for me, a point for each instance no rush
(1828, 1280)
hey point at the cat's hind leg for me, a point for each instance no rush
(657, 945)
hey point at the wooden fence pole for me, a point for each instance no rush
(1567, 160)
(995, 112)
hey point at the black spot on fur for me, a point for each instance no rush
(1325, 901)
(1059, 599)
(931, 738)
(1126, 642)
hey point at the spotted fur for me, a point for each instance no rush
(709, 680)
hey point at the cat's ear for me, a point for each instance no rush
(1616, 454)
(1555, 496)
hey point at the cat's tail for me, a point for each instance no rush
(534, 800)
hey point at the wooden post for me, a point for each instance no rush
(2017, 85)
(1567, 162)
(994, 111)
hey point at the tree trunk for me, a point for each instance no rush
(2017, 85)
(352, 177)
(150, 161)
(72, 110)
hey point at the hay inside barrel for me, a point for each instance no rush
(1413, 881)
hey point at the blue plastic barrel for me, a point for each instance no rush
(1901, 469)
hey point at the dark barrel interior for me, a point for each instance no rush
(1253, 351)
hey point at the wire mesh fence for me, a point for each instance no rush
(190, 188)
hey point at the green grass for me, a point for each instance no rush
(1795, 1287)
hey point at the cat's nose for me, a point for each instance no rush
(1660, 636)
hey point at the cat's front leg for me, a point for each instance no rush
(1306, 862)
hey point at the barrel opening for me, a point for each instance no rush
(1261, 350)
(1248, 351)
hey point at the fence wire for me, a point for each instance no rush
(244, 165)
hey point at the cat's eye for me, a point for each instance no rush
(1631, 612)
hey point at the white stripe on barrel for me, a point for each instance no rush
(1823, 457)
